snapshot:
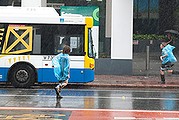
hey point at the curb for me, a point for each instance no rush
(124, 85)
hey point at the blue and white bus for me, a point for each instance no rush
(30, 37)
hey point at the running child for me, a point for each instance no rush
(61, 63)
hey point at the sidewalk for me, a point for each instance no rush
(139, 78)
(133, 81)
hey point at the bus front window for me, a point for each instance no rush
(91, 52)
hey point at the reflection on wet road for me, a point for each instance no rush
(124, 99)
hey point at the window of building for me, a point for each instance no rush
(146, 16)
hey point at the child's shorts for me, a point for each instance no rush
(166, 66)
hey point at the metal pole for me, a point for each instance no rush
(147, 59)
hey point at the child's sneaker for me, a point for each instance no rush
(162, 82)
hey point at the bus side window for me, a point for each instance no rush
(36, 40)
(76, 45)
(47, 39)
(60, 42)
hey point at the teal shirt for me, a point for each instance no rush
(61, 65)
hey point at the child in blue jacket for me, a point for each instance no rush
(61, 63)
(168, 59)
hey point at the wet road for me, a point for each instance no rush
(116, 104)
(124, 99)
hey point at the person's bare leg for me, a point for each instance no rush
(162, 75)
(64, 84)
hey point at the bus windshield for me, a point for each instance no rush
(90, 45)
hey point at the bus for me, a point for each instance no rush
(31, 36)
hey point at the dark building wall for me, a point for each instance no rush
(166, 15)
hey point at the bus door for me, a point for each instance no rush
(77, 71)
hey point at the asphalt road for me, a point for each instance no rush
(93, 103)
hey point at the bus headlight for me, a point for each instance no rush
(91, 66)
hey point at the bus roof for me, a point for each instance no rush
(46, 15)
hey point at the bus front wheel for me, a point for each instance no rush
(22, 75)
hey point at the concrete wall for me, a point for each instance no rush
(122, 29)
(120, 62)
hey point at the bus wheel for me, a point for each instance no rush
(22, 75)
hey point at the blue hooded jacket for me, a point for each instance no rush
(168, 51)
(61, 65)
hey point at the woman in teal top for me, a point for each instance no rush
(61, 63)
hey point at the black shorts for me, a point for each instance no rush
(167, 66)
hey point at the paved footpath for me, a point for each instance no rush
(133, 81)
